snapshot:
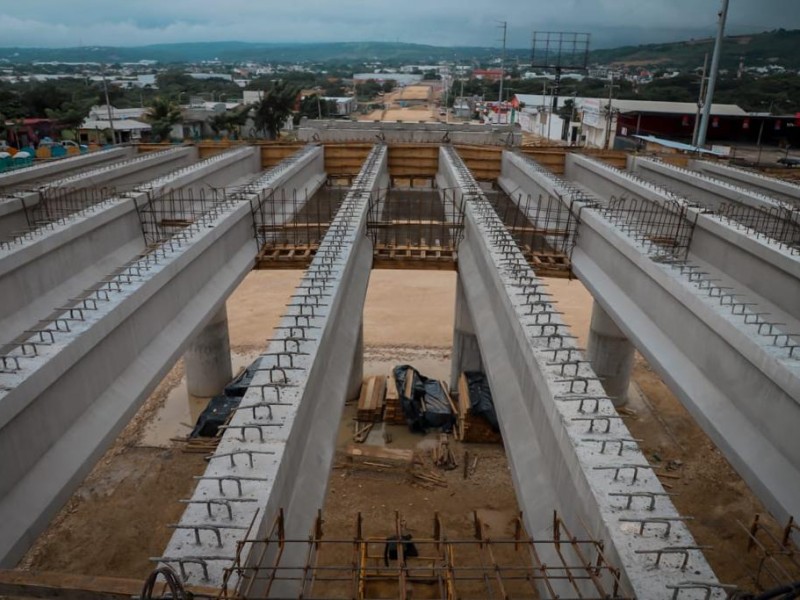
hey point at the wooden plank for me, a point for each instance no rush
(69, 586)
(380, 453)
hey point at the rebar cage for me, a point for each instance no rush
(780, 224)
(367, 566)
(544, 228)
(166, 213)
(664, 228)
(415, 220)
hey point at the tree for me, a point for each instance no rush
(276, 105)
(219, 123)
(162, 115)
(71, 114)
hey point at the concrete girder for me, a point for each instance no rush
(29, 175)
(14, 209)
(703, 189)
(709, 356)
(758, 264)
(554, 452)
(115, 348)
(293, 437)
(64, 258)
(770, 186)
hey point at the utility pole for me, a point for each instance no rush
(108, 106)
(700, 102)
(609, 116)
(504, 26)
(712, 80)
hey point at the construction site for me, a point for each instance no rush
(398, 360)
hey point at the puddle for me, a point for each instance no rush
(177, 416)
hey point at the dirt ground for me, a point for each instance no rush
(120, 515)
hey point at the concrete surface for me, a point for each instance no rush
(777, 188)
(611, 355)
(208, 358)
(293, 439)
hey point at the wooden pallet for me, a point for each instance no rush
(286, 256)
(391, 256)
(472, 428)
(370, 401)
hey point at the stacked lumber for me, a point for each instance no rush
(370, 401)
(470, 427)
(393, 414)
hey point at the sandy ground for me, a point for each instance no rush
(119, 516)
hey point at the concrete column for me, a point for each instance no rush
(466, 354)
(208, 358)
(611, 355)
(357, 370)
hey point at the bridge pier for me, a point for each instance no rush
(208, 358)
(611, 355)
(466, 354)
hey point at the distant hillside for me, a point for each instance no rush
(778, 47)
(242, 51)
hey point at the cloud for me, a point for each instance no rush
(442, 22)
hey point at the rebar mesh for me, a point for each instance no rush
(166, 213)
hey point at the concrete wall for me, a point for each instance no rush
(365, 131)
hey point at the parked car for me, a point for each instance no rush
(789, 161)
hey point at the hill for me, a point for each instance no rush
(243, 51)
(760, 49)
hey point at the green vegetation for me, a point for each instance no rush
(772, 47)
(274, 108)
(162, 115)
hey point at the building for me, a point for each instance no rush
(488, 74)
(345, 105)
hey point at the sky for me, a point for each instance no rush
(61, 23)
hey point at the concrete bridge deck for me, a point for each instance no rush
(770, 186)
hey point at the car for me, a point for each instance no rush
(789, 161)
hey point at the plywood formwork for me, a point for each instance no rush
(413, 160)
(345, 160)
(273, 153)
(484, 162)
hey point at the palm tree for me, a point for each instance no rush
(162, 115)
(271, 112)
(219, 123)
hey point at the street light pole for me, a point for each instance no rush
(712, 79)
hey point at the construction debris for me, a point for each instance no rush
(443, 456)
(360, 432)
(393, 456)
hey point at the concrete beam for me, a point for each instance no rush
(553, 439)
(770, 186)
(106, 356)
(414, 133)
(611, 354)
(30, 175)
(700, 188)
(715, 359)
(292, 441)
(759, 264)
(60, 260)
(17, 209)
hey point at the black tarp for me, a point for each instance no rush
(220, 407)
(480, 398)
(428, 407)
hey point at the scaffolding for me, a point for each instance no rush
(397, 565)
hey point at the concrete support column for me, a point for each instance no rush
(357, 370)
(208, 358)
(611, 355)
(466, 355)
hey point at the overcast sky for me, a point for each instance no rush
(54, 23)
